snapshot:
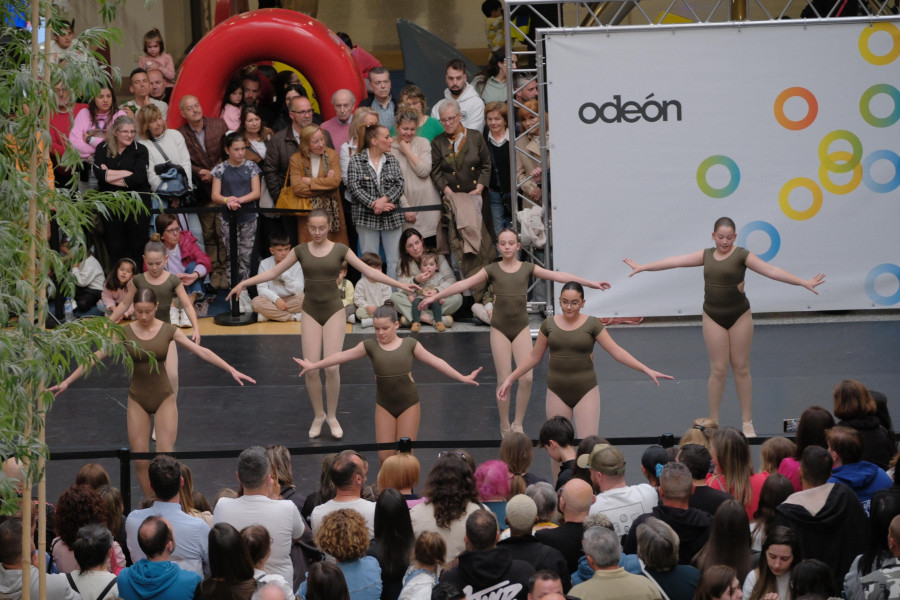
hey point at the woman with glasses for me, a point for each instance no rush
(572, 390)
(184, 259)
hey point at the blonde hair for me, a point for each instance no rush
(306, 135)
(400, 471)
(732, 455)
(773, 451)
(357, 129)
(701, 432)
(145, 116)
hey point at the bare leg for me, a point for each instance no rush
(332, 343)
(311, 343)
(717, 346)
(556, 407)
(740, 338)
(587, 414)
(521, 348)
(139, 439)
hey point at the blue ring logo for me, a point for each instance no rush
(768, 229)
(881, 188)
(882, 269)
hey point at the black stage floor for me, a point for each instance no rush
(794, 366)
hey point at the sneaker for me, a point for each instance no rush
(261, 318)
(174, 316)
(297, 316)
(244, 303)
(367, 323)
(415, 327)
(184, 320)
(351, 319)
(480, 313)
(448, 322)
(440, 327)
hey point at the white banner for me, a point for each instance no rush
(789, 128)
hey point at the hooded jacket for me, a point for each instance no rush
(156, 580)
(540, 556)
(863, 478)
(492, 573)
(57, 586)
(692, 526)
(877, 446)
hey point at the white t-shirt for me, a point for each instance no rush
(280, 517)
(624, 505)
(364, 507)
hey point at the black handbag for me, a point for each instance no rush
(175, 182)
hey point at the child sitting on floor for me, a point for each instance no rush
(429, 266)
(346, 290)
(116, 286)
(370, 294)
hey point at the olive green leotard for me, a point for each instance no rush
(164, 291)
(570, 374)
(321, 297)
(395, 388)
(150, 387)
(722, 300)
(510, 315)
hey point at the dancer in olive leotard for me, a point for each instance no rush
(151, 391)
(397, 409)
(571, 383)
(323, 328)
(510, 336)
(727, 323)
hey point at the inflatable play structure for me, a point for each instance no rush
(270, 34)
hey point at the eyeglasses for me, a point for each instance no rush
(302, 112)
(173, 230)
(449, 119)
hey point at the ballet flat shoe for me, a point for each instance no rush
(336, 431)
(315, 430)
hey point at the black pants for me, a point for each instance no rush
(127, 237)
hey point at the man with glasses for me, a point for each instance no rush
(471, 106)
(203, 137)
(381, 100)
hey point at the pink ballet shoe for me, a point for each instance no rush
(315, 430)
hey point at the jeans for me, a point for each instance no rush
(197, 286)
(499, 204)
(370, 240)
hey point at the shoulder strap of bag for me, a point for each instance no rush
(650, 577)
(107, 588)
(72, 583)
(160, 150)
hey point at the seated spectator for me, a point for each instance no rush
(546, 500)
(733, 471)
(326, 489)
(280, 299)
(883, 582)
(814, 422)
(878, 552)
(629, 562)
(231, 572)
(492, 483)
(325, 582)
(846, 447)
(574, 503)
(557, 437)
(411, 250)
(259, 547)
(521, 515)
(516, 451)
(89, 281)
(451, 498)
(775, 490)
(343, 534)
(729, 541)
(701, 432)
(92, 475)
(78, 506)
(484, 568)
(192, 502)
(92, 580)
(348, 474)
(828, 519)
(780, 552)
(12, 570)
(855, 407)
(115, 518)
(156, 577)
(719, 582)
(813, 579)
(620, 502)
(698, 460)
(653, 460)
(422, 575)
(401, 472)
(773, 451)
(601, 546)
(280, 517)
(370, 294)
(658, 549)
(393, 542)
(691, 524)
(543, 584)
(186, 260)
(192, 533)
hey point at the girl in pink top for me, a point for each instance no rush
(116, 286)
(155, 56)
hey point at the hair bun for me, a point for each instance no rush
(155, 237)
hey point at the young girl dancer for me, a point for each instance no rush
(397, 409)
(727, 323)
(323, 312)
(510, 335)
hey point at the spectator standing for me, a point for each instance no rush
(381, 100)
(471, 106)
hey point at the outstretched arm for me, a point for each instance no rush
(623, 356)
(125, 304)
(443, 366)
(354, 353)
(64, 385)
(269, 275)
(537, 353)
(755, 263)
(210, 357)
(375, 274)
(563, 277)
(694, 259)
(457, 288)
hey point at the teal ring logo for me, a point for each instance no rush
(866, 100)
(768, 229)
(881, 188)
(706, 165)
(882, 269)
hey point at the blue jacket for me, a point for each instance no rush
(629, 562)
(864, 478)
(165, 580)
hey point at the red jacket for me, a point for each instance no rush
(191, 252)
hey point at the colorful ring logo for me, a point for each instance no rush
(873, 58)
(811, 112)
(785, 203)
(882, 269)
(825, 156)
(881, 188)
(706, 165)
(866, 100)
(840, 188)
(768, 229)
